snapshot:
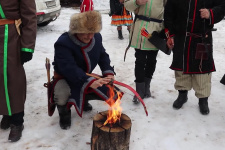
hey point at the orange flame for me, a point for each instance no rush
(115, 110)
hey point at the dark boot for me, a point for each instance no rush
(15, 132)
(223, 80)
(181, 99)
(64, 117)
(128, 28)
(147, 87)
(214, 29)
(120, 35)
(140, 88)
(203, 105)
(87, 106)
(5, 123)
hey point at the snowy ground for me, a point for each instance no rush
(164, 128)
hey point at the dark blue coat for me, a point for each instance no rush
(73, 59)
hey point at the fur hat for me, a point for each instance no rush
(88, 21)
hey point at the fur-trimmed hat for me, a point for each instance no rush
(88, 21)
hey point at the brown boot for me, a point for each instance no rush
(15, 133)
(5, 122)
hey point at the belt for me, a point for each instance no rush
(10, 21)
(194, 35)
(6, 21)
(57, 76)
(141, 17)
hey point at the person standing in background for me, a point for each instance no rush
(191, 41)
(120, 16)
(149, 15)
(18, 28)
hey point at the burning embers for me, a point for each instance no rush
(115, 110)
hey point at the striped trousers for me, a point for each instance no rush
(201, 83)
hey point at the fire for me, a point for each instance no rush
(115, 110)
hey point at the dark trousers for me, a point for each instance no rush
(145, 64)
(16, 119)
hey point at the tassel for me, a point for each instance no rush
(145, 33)
(200, 65)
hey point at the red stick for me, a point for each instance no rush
(126, 86)
(136, 94)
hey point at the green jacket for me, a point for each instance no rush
(152, 9)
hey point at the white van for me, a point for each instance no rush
(47, 11)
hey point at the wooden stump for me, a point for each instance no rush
(115, 137)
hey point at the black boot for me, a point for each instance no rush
(15, 132)
(203, 105)
(214, 29)
(128, 28)
(223, 80)
(64, 117)
(147, 87)
(87, 106)
(140, 88)
(181, 99)
(120, 35)
(5, 122)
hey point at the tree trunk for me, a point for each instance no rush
(115, 137)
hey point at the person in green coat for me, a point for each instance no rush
(149, 15)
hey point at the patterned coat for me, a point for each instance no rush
(180, 19)
(152, 9)
(12, 75)
(73, 59)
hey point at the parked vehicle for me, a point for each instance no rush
(47, 11)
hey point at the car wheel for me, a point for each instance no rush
(43, 23)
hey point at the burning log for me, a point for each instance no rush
(110, 136)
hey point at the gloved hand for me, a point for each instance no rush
(25, 56)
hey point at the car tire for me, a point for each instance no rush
(43, 23)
